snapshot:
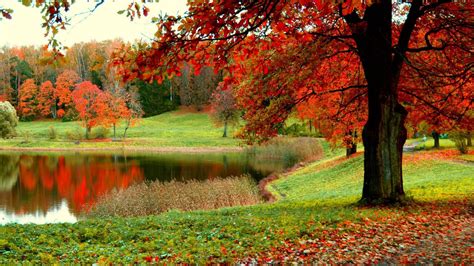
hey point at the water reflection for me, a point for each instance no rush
(41, 188)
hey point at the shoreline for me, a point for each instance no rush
(209, 149)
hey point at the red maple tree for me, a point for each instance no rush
(347, 54)
(406, 53)
(91, 104)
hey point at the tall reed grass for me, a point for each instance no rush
(157, 197)
(290, 150)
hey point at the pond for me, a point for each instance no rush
(54, 188)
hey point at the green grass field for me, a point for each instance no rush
(318, 200)
(172, 129)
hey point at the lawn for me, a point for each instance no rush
(315, 220)
(173, 129)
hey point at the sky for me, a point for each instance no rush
(103, 24)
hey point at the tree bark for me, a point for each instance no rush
(88, 131)
(469, 139)
(351, 150)
(125, 130)
(225, 130)
(435, 136)
(384, 132)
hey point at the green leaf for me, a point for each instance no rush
(26, 2)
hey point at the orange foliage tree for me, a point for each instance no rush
(46, 99)
(28, 99)
(64, 85)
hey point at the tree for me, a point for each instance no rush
(135, 111)
(47, 99)
(424, 42)
(156, 98)
(224, 108)
(28, 99)
(65, 83)
(116, 109)
(196, 86)
(91, 104)
(8, 120)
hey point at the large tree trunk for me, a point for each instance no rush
(384, 132)
(383, 137)
(435, 136)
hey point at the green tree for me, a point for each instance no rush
(156, 98)
(8, 120)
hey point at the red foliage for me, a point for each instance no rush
(91, 104)
(64, 85)
(46, 99)
(307, 59)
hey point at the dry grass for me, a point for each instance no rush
(157, 197)
(291, 150)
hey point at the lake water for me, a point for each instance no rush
(53, 188)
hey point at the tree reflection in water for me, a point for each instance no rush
(40, 185)
(45, 181)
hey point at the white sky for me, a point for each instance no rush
(25, 26)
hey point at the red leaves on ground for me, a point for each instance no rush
(424, 233)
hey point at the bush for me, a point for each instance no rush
(100, 133)
(75, 135)
(8, 120)
(26, 135)
(70, 115)
(157, 197)
(52, 133)
(299, 130)
(460, 140)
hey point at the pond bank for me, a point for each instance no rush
(128, 149)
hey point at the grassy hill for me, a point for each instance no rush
(315, 219)
(173, 129)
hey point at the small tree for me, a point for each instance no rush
(460, 140)
(91, 104)
(116, 109)
(224, 109)
(134, 110)
(8, 120)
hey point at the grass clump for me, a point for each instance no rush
(157, 197)
(290, 150)
(100, 133)
(74, 135)
(52, 133)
